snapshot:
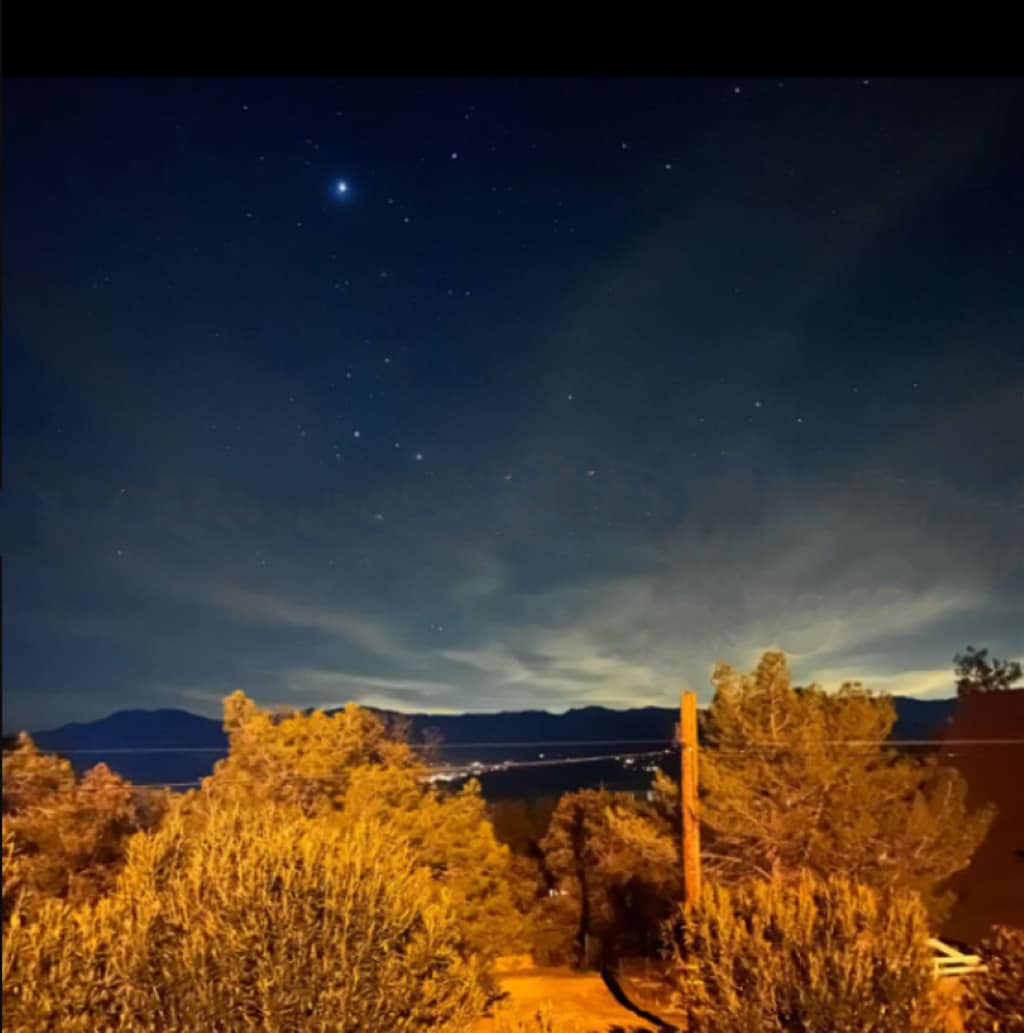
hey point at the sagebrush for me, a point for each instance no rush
(809, 955)
(259, 919)
(993, 1000)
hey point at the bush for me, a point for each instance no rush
(346, 766)
(993, 1000)
(806, 956)
(258, 919)
(65, 836)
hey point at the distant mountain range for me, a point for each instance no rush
(177, 746)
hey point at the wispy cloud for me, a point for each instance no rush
(263, 608)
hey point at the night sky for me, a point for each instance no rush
(573, 388)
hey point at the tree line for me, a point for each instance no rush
(318, 881)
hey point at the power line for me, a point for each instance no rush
(749, 748)
(412, 746)
(457, 772)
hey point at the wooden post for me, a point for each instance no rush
(688, 791)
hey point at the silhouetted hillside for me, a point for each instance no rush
(177, 746)
(140, 729)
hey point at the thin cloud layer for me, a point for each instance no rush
(862, 579)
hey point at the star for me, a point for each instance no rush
(356, 434)
(419, 457)
(341, 187)
(590, 473)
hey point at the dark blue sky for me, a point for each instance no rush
(580, 386)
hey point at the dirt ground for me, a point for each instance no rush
(584, 998)
(581, 996)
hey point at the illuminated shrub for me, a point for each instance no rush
(260, 919)
(66, 836)
(805, 956)
(993, 1000)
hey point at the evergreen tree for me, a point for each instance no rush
(452, 835)
(348, 766)
(299, 758)
(975, 672)
(798, 779)
(613, 872)
(64, 836)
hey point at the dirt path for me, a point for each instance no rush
(580, 996)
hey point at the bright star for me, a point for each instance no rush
(341, 187)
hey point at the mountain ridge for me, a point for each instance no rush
(164, 727)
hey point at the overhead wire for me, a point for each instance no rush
(669, 743)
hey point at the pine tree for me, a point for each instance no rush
(977, 673)
(798, 779)
(349, 766)
(299, 758)
(614, 874)
(64, 836)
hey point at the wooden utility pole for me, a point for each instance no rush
(688, 791)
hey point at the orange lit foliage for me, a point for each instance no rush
(344, 767)
(805, 956)
(993, 1000)
(614, 874)
(782, 790)
(64, 836)
(249, 918)
(304, 759)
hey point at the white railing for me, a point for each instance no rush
(951, 962)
